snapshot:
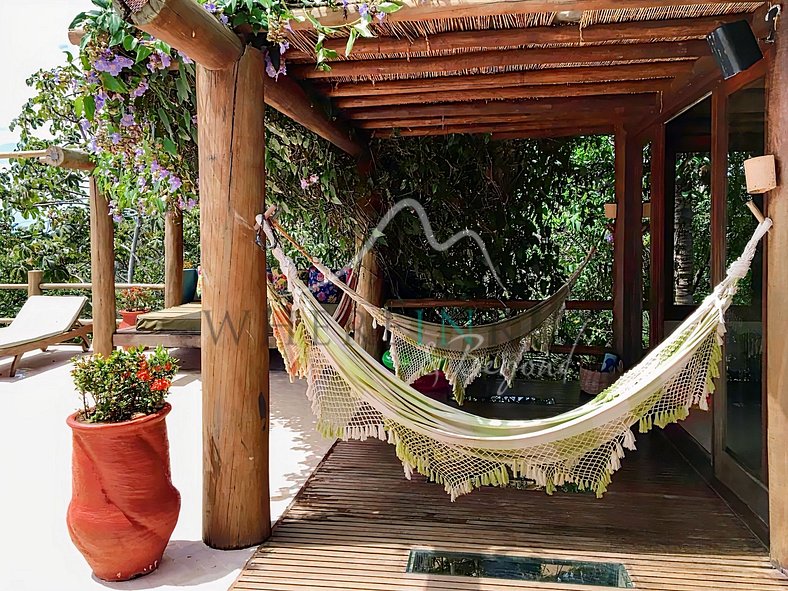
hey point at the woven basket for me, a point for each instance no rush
(593, 381)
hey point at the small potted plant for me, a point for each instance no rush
(131, 303)
(189, 282)
(124, 506)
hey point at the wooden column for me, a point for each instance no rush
(102, 271)
(628, 250)
(370, 286)
(657, 229)
(34, 279)
(230, 109)
(719, 184)
(173, 258)
(776, 324)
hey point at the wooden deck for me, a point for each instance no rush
(355, 522)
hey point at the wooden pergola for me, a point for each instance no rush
(515, 69)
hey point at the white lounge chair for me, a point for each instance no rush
(44, 321)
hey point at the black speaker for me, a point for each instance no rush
(735, 47)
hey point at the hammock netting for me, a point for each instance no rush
(354, 397)
(419, 348)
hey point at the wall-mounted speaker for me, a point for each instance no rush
(735, 47)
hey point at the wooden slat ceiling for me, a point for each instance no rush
(491, 69)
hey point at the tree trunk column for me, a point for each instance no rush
(230, 115)
(776, 324)
(628, 250)
(370, 287)
(102, 271)
(173, 258)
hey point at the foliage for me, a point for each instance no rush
(124, 385)
(136, 299)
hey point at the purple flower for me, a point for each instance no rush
(273, 72)
(284, 46)
(127, 120)
(363, 10)
(210, 7)
(100, 99)
(175, 183)
(288, 26)
(117, 217)
(381, 16)
(345, 4)
(313, 178)
(111, 63)
(191, 204)
(91, 77)
(609, 237)
(142, 182)
(159, 60)
(115, 138)
(304, 183)
(93, 146)
(224, 20)
(186, 59)
(139, 152)
(141, 89)
(84, 125)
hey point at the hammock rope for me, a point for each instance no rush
(354, 397)
(419, 348)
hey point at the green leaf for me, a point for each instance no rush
(351, 40)
(143, 52)
(79, 106)
(113, 84)
(170, 146)
(90, 107)
(388, 7)
(165, 120)
(129, 42)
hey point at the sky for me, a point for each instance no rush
(33, 35)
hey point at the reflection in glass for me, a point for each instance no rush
(744, 340)
(519, 568)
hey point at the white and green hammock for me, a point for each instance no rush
(354, 397)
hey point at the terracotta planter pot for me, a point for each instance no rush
(123, 507)
(130, 318)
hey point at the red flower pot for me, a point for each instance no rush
(130, 318)
(123, 507)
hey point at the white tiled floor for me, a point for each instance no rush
(35, 479)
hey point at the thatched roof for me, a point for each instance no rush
(417, 67)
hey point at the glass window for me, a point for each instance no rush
(744, 433)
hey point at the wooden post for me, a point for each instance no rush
(234, 338)
(628, 250)
(173, 258)
(776, 324)
(719, 185)
(657, 225)
(370, 286)
(102, 271)
(34, 280)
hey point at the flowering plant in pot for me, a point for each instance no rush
(131, 303)
(124, 506)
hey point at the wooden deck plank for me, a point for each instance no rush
(353, 525)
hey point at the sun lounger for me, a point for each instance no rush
(44, 321)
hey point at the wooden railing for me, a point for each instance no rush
(35, 285)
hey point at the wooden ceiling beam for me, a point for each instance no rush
(556, 132)
(286, 96)
(522, 129)
(420, 66)
(646, 31)
(186, 26)
(610, 106)
(518, 92)
(564, 75)
(455, 120)
(419, 10)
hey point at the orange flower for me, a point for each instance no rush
(143, 375)
(160, 385)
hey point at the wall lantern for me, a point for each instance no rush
(734, 47)
(761, 174)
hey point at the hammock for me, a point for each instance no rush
(419, 348)
(355, 398)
